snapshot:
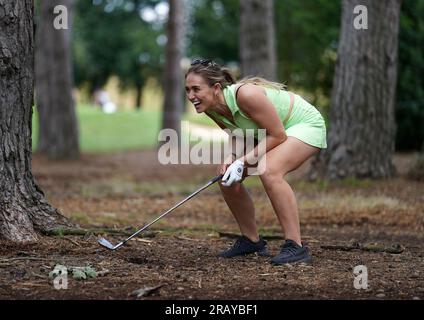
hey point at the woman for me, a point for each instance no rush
(295, 131)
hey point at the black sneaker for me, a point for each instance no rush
(244, 246)
(291, 252)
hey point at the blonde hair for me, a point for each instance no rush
(211, 72)
(214, 73)
(263, 82)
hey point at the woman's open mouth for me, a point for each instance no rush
(196, 104)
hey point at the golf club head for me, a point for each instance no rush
(103, 242)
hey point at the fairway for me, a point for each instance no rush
(120, 131)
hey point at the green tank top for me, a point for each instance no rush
(279, 98)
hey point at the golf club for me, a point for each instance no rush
(107, 244)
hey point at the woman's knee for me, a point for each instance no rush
(270, 178)
(270, 174)
(273, 176)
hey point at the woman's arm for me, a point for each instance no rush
(253, 101)
(232, 142)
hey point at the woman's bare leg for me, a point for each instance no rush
(278, 162)
(241, 205)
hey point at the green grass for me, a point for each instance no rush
(123, 130)
(120, 131)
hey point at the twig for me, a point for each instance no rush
(74, 242)
(394, 249)
(141, 240)
(38, 275)
(32, 284)
(24, 258)
(184, 238)
(340, 247)
(4, 262)
(234, 235)
(84, 232)
(2, 265)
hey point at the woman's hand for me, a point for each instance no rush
(227, 162)
(233, 174)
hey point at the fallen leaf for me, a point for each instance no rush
(146, 291)
(90, 272)
(78, 274)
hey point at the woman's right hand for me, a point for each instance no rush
(222, 168)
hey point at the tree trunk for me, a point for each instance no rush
(139, 92)
(362, 128)
(58, 127)
(23, 209)
(257, 39)
(287, 53)
(174, 102)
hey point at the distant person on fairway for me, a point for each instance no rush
(295, 130)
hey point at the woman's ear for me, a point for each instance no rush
(217, 88)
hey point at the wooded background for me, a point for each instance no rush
(368, 83)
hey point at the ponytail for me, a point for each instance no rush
(213, 73)
(263, 82)
(228, 76)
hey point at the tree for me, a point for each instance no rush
(220, 18)
(97, 39)
(173, 80)
(257, 38)
(410, 90)
(58, 133)
(307, 35)
(111, 38)
(23, 208)
(362, 127)
(416, 172)
(141, 59)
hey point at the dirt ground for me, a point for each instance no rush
(377, 224)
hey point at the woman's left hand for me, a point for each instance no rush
(233, 174)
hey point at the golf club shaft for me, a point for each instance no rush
(174, 207)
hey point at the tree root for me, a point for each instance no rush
(95, 231)
(371, 247)
(234, 235)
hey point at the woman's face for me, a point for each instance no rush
(200, 94)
